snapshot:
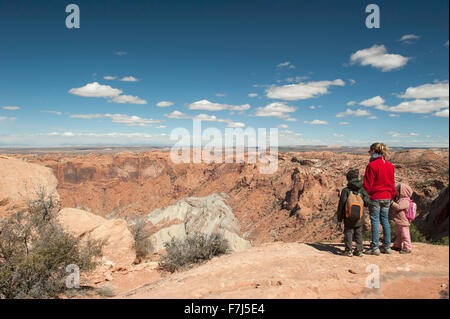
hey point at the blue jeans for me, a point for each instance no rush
(379, 211)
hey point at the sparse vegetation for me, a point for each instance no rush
(35, 251)
(194, 249)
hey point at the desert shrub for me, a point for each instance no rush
(194, 249)
(142, 244)
(442, 241)
(35, 251)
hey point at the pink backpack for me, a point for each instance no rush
(411, 213)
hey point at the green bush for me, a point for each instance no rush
(193, 249)
(35, 251)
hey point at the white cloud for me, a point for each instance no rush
(408, 38)
(275, 109)
(109, 77)
(377, 57)
(121, 53)
(352, 82)
(286, 64)
(358, 113)
(337, 135)
(96, 89)
(11, 108)
(283, 126)
(291, 119)
(316, 122)
(402, 135)
(129, 79)
(301, 91)
(129, 120)
(253, 95)
(427, 91)
(164, 104)
(351, 103)
(344, 123)
(53, 112)
(161, 126)
(377, 100)
(443, 113)
(420, 106)
(220, 94)
(394, 115)
(209, 106)
(203, 117)
(372, 117)
(128, 99)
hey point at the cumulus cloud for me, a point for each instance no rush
(377, 57)
(301, 91)
(253, 95)
(109, 77)
(427, 91)
(420, 106)
(351, 103)
(11, 108)
(164, 104)
(443, 113)
(128, 99)
(316, 122)
(96, 89)
(377, 100)
(358, 113)
(210, 106)
(275, 109)
(129, 79)
(283, 126)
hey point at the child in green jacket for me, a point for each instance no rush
(352, 228)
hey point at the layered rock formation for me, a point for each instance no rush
(296, 203)
(192, 215)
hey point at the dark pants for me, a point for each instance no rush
(349, 232)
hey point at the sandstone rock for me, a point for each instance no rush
(118, 250)
(195, 214)
(21, 181)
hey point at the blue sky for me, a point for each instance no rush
(135, 70)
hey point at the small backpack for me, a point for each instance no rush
(411, 212)
(354, 207)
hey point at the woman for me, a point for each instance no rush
(379, 183)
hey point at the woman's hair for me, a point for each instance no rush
(380, 148)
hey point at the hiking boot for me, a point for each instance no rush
(395, 248)
(373, 251)
(348, 253)
(403, 251)
(358, 253)
(386, 250)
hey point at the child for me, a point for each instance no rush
(352, 227)
(403, 238)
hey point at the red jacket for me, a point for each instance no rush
(379, 181)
